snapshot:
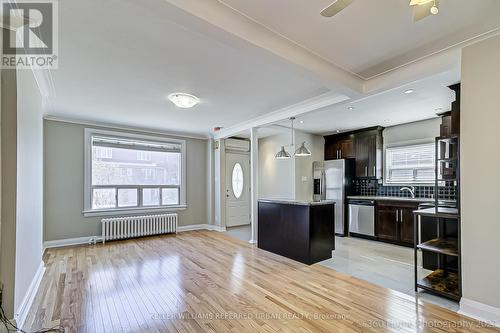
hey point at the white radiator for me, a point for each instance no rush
(138, 226)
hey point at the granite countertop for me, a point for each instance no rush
(388, 198)
(298, 202)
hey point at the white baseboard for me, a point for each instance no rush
(85, 240)
(68, 242)
(201, 227)
(482, 312)
(22, 311)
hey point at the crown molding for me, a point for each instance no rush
(123, 127)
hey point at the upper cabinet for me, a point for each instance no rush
(339, 147)
(369, 153)
(365, 146)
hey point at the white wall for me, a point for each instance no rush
(304, 165)
(283, 178)
(412, 133)
(29, 224)
(480, 172)
(64, 179)
(276, 177)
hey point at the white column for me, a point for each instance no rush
(254, 174)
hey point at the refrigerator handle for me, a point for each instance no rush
(323, 185)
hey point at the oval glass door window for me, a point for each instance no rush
(237, 180)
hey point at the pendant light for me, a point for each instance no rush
(302, 151)
(283, 154)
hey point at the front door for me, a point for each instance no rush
(237, 189)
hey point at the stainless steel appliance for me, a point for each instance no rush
(362, 217)
(332, 181)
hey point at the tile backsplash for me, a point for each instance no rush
(372, 187)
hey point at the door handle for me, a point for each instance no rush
(374, 171)
(397, 215)
(340, 151)
(401, 220)
(366, 171)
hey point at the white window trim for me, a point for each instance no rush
(403, 144)
(87, 204)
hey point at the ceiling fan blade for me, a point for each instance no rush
(335, 8)
(422, 11)
(419, 2)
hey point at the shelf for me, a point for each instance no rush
(441, 282)
(447, 246)
(441, 212)
(447, 138)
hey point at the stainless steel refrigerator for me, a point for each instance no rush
(333, 181)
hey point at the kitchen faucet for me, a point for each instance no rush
(410, 189)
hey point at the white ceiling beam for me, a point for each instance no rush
(294, 110)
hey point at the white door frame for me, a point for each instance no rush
(220, 183)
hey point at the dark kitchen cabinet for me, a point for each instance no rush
(406, 224)
(387, 228)
(339, 147)
(369, 153)
(394, 222)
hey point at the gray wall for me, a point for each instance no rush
(29, 224)
(64, 182)
(480, 160)
(9, 184)
(412, 133)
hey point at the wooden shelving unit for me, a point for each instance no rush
(445, 280)
(447, 246)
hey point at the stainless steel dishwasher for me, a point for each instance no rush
(362, 218)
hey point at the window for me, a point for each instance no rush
(132, 172)
(237, 180)
(410, 164)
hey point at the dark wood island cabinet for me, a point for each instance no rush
(302, 231)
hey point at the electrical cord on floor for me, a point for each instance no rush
(13, 328)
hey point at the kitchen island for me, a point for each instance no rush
(300, 230)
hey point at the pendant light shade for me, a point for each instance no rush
(283, 154)
(303, 151)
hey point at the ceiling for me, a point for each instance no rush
(370, 37)
(390, 108)
(119, 59)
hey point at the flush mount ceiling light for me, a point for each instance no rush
(182, 100)
(409, 91)
(350, 108)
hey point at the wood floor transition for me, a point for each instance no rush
(205, 281)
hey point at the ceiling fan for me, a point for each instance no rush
(421, 8)
(424, 8)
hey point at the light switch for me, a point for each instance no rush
(304, 178)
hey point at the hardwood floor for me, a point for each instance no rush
(206, 281)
